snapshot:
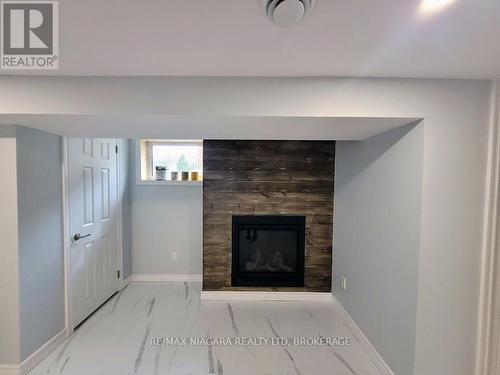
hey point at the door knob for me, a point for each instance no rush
(78, 236)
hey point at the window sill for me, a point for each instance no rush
(169, 183)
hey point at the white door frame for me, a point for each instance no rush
(67, 235)
(119, 218)
(488, 328)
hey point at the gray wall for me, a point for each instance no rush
(378, 191)
(125, 155)
(166, 219)
(41, 260)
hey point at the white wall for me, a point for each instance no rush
(455, 147)
(166, 219)
(9, 264)
(378, 191)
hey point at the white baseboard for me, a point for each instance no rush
(376, 358)
(29, 363)
(33, 360)
(126, 282)
(165, 277)
(264, 296)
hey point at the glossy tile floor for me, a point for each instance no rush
(117, 339)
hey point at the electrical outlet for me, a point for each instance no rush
(344, 282)
(174, 256)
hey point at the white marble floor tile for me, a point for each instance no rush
(117, 338)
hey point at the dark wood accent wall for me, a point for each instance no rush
(268, 178)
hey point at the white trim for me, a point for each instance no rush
(68, 308)
(265, 296)
(33, 360)
(169, 183)
(137, 160)
(486, 321)
(119, 216)
(165, 277)
(126, 282)
(376, 358)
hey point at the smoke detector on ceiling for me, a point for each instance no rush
(287, 12)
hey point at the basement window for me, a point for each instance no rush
(171, 162)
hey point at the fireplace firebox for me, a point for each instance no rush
(268, 251)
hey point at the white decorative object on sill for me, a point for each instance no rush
(161, 173)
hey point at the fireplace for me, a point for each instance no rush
(268, 251)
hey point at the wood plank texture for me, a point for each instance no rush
(267, 178)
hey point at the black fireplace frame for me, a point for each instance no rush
(268, 279)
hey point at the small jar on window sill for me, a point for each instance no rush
(161, 173)
(195, 176)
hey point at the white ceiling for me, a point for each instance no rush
(208, 127)
(383, 38)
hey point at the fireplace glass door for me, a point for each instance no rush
(268, 251)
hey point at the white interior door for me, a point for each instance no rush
(93, 188)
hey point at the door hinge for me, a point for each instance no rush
(118, 273)
(116, 149)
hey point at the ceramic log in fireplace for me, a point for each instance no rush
(268, 251)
